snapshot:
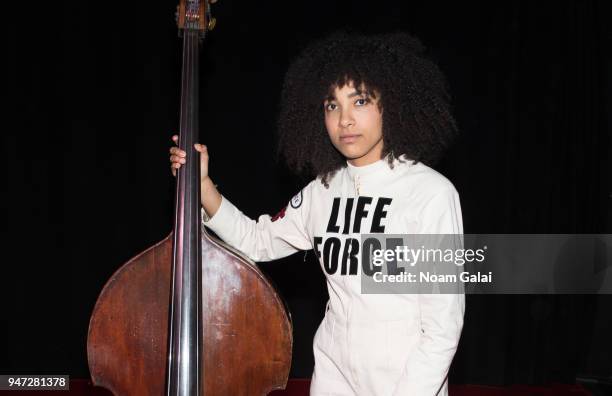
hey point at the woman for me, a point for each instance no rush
(367, 116)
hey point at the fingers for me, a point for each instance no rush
(178, 152)
(178, 157)
(200, 147)
(175, 150)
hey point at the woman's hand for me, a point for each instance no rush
(178, 157)
(210, 196)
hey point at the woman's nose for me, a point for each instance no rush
(346, 119)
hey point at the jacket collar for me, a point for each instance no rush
(380, 167)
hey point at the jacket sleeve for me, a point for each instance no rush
(441, 314)
(268, 238)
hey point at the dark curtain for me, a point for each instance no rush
(93, 98)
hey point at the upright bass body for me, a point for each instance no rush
(246, 328)
(189, 316)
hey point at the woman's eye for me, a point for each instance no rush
(361, 101)
(330, 106)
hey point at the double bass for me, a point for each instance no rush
(189, 316)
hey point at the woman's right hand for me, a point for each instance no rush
(210, 196)
(178, 157)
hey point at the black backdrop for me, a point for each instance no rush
(93, 93)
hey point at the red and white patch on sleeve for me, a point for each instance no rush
(280, 214)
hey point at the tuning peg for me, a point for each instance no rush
(211, 23)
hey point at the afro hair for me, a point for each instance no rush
(417, 119)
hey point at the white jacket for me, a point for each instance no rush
(408, 199)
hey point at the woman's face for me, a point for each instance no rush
(354, 124)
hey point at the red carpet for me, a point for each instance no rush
(299, 387)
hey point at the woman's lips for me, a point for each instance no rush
(349, 138)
